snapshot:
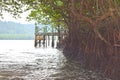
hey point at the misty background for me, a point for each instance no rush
(10, 30)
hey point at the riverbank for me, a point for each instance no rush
(108, 67)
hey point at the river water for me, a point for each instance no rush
(19, 60)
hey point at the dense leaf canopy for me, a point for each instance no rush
(57, 11)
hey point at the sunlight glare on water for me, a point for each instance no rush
(19, 60)
(14, 51)
(21, 56)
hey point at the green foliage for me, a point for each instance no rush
(117, 2)
(55, 12)
(42, 11)
(59, 3)
(12, 6)
(46, 12)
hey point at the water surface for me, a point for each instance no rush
(19, 60)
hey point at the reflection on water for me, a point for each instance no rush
(19, 60)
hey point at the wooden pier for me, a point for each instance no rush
(48, 39)
(46, 36)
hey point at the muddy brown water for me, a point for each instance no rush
(19, 60)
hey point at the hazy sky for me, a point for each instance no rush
(8, 17)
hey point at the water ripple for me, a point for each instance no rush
(28, 63)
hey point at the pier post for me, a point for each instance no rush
(35, 42)
(39, 43)
(48, 40)
(52, 37)
(53, 40)
(43, 40)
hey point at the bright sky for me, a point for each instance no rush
(8, 17)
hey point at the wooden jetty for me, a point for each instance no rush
(46, 38)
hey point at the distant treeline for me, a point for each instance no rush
(16, 37)
(16, 31)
